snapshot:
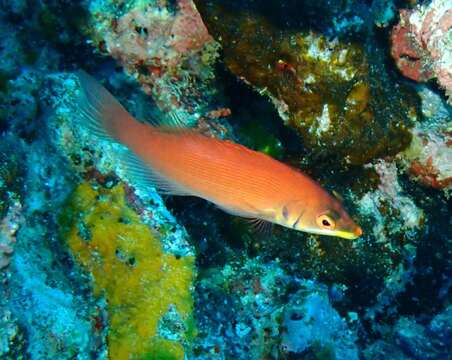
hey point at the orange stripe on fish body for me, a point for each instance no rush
(239, 180)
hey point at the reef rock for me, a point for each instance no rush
(337, 94)
(312, 324)
(428, 159)
(422, 45)
(164, 45)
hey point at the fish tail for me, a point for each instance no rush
(103, 115)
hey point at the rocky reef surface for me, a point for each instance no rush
(94, 265)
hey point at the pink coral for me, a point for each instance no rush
(421, 43)
(407, 52)
(189, 31)
(430, 158)
(167, 50)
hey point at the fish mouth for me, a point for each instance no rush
(358, 232)
(350, 235)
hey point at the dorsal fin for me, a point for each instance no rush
(338, 196)
(103, 115)
(174, 119)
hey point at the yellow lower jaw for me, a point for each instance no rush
(342, 234)
(345, 235)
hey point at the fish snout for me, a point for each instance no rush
(358, 231)
(351, 233)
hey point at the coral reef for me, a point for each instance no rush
(428, 159)
(421, 43)
(140, 283)
(93, 265)
(8, 229)
(403, 213)
(383, 12)
(254, 301)
(274, 314)
(413, 340)
(10, 337)
(335, 93)
(46, 313)
(164, 45)
(10, 202)
(311, 322)
(396, 223)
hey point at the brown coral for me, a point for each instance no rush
(339, 98)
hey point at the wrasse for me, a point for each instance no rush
(239, 180)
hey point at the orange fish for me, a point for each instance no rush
(240, 181)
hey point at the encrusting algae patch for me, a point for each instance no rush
(335, 93)
(140, 283)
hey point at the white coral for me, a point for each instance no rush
(8, 229)
(409, 216)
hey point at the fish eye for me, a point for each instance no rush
(325, 221)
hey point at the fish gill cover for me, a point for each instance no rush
(355, 94)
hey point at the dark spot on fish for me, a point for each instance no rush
(285, 212)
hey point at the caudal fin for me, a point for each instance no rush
(102, 114)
